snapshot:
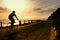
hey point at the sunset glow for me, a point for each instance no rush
(17, 4)
(20, 6)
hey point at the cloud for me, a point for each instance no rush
(3, 10)
(45, 6)
(49, 10)
(46, 3)
(41, 10)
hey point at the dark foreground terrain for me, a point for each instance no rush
(36, 31)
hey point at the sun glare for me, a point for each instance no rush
(20, 6)
(17, 4)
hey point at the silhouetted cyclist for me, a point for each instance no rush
(56, 22)
(11, 18)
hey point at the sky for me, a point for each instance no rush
(39, 9)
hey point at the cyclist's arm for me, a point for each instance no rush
(16, 17)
